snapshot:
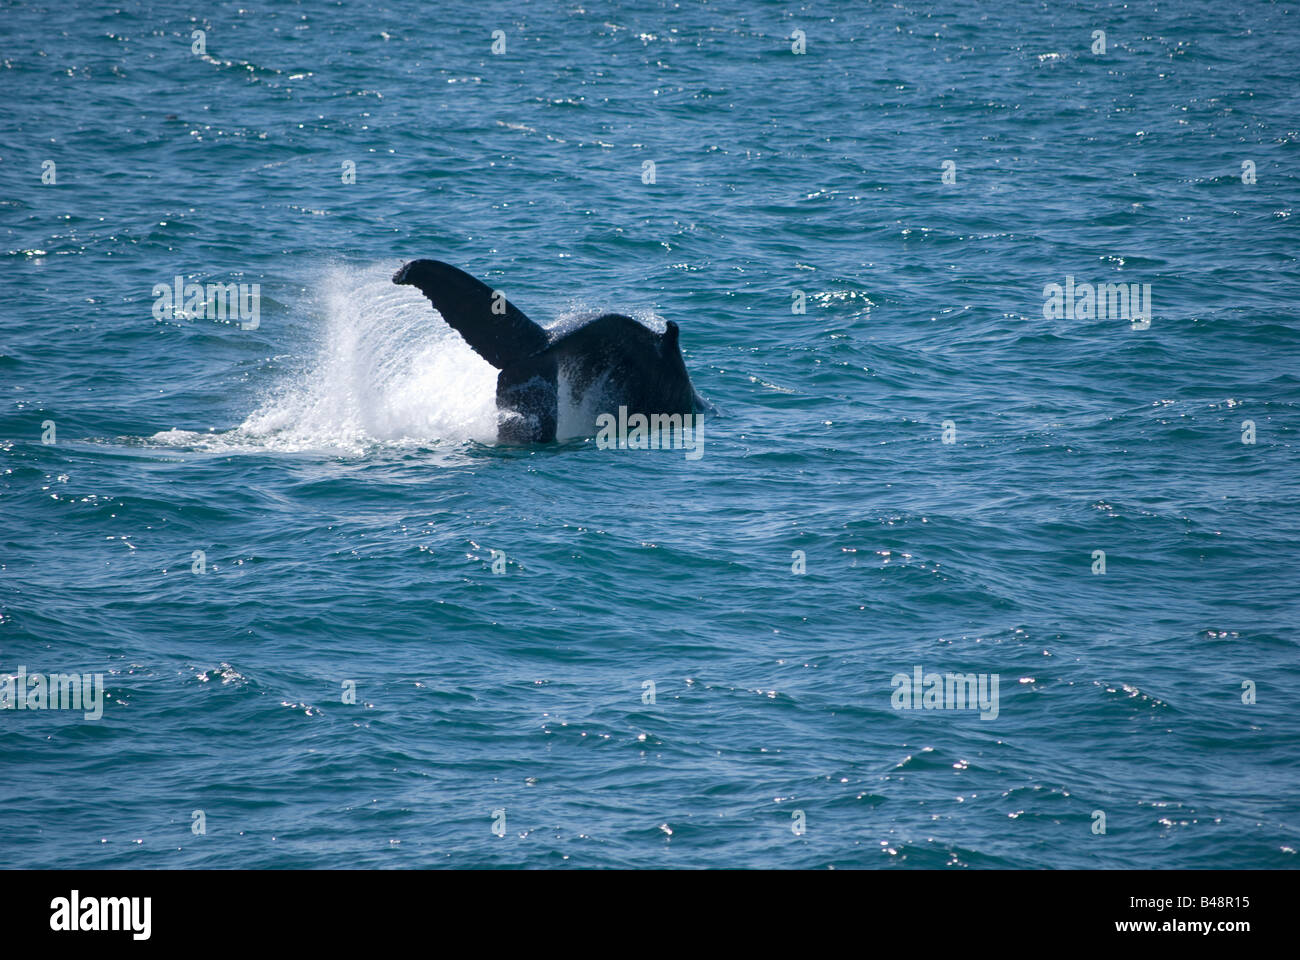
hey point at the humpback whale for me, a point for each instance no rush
(598, 363)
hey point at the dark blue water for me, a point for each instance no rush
(336, 464)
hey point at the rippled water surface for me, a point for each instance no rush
(334, 474)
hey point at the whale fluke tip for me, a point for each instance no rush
(403, 274)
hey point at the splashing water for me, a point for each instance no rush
(388, 371)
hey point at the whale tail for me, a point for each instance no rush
(498, 331)
(646, 367)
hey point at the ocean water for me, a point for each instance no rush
(332, 470)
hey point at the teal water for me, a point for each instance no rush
(336, 465)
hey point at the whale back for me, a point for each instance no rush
(628, 363)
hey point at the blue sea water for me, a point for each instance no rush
(335, 467)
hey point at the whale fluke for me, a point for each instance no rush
(605, 362)
(466, 304)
